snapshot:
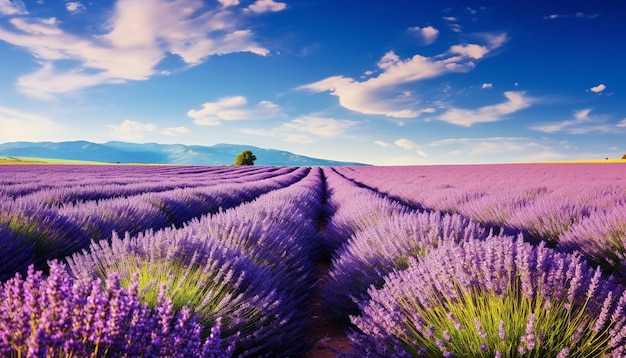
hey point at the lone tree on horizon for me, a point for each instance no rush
(624, 156)
(245, 158)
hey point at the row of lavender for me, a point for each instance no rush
(573, 207)
(49, 212)
(416, 281)
(238, 281)
(413, 282)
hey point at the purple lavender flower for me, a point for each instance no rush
(55, 316)
(375, 251)
(479, 329)
(600, 238)
(252, 263)
(40, 230)
(429, 284)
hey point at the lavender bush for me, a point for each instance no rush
(16, 252)
(500, 297)
(42, 231)
(547, 218)
(352, 208)
(97, 219)
(212, 279)
(55, 316)
(601, 239)
(375, 251)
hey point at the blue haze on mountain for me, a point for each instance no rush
(154, 153)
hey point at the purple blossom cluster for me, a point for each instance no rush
(601, 239)
(374, 252)
(351, 208)
(54, 211)
(397, 320)
(55, 316)
(40, 231)
(222, 260)
(540, 200)
(253, 266)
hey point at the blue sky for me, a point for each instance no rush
(399, 82)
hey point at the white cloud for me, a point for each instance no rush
(233, 109)
(16, 125)
(407, 144)
(74, 6)
(227, 3)
(516, 101)
(46, 82)
(487, 86)
(131, 130)
(174, 131)
(502, 149)
(138, 35)
(582, 123)
(472, 50)
(15, 7)
(319, 126)
(302, 128)
(380, 143)
(580, 15)
(383, 95)
(427, 34)
(404, 144)
(599, 88)
(622, 123)
(261, 6)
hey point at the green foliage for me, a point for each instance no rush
(479, 323)
(190, 284)
(245, 158)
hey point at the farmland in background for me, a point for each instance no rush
(411, 253)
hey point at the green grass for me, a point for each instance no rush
(34, 160)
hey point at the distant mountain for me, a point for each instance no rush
(153, 153)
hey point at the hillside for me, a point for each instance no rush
(154, 153)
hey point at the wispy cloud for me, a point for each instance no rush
(74, 6)
(174, 131)
(227, 3)
(499, 149)
(516, 101)
(580, 15)
(427, 34)
(261, 6)
(599, 88)
(487, 86)
(233, 109)
(383, 144)
(130, 44)
(15, 7)
(403, 143)
(582, 123)
(17, 125)
(131, 130)
(453, 23)
(383, 94)
(306, 128)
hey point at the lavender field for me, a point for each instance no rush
(519, 260)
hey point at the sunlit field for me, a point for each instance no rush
(500, 260)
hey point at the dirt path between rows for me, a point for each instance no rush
(331, 340)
